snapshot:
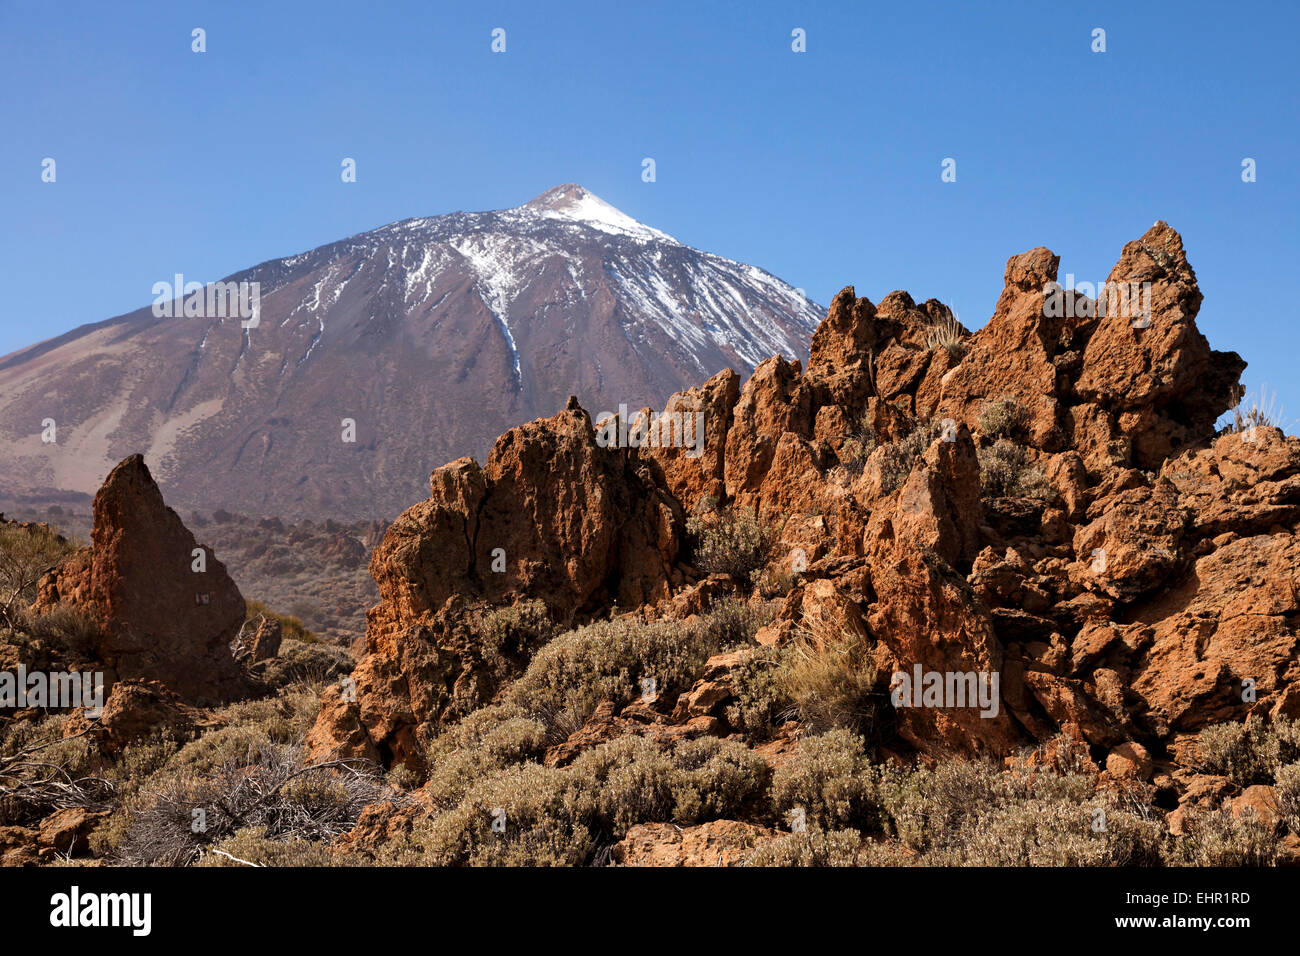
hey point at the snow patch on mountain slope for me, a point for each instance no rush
(700, 300)
(496, 261)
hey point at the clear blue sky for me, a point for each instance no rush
(822, 167)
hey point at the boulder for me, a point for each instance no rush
(1130, 759)
(716, 843)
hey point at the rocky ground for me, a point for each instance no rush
(582, 655)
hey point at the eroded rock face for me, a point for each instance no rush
(773, 402)
(1135, 542)
(1013, 355)
(1232, 620)
(694, 476)
(553, 516)
(1162, 382)
(926, 615)
(939, 506)
(164, 606)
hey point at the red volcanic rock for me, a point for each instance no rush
(133, 711)
(939, 507)
(1129, 760)
(840, 361)
(772, 403)
(1134, 543)
(925, 614)
(1013, 355)
(1244, 483)
(552, 516)
(1231, 619)
(693, 475)
(716, 843)
(1162, 383)
(165, 607)
(68, 831)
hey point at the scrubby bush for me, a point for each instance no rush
(548, 816)
(1249, 753)
(715, 779)
(483, 743)
(831, 781)
(1005, 418)
(252, 846)
(898, 458)
(759, 700)
(970, 813)
(42, 771)
(1045, 832)
(1262, 412)
(947, 334)
(26, 554)
(828, 677)
(509, 636)
(1006, 472)
(635, 780)
(533, 826)
(606, 661)
(813, 847)
(622, 783)
(857, 447)
(731, 622)
(731, 540)
(65, 628)
(295, 662)
(248, 730)
(1219, 839)
(928, 805)
(775, 582)
(1288, 795)
(176, 821)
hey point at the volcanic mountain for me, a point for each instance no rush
(421, 341)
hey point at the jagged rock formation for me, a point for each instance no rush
(552, 515)
(1122, 600)
(164, 607)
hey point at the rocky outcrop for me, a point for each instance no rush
(1123, 580)
(552, 516)
(694, 470)
(1150, 367)
(1022, 544)
(164, 607)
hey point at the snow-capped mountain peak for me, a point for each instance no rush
(573, 202)
(431, 335)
